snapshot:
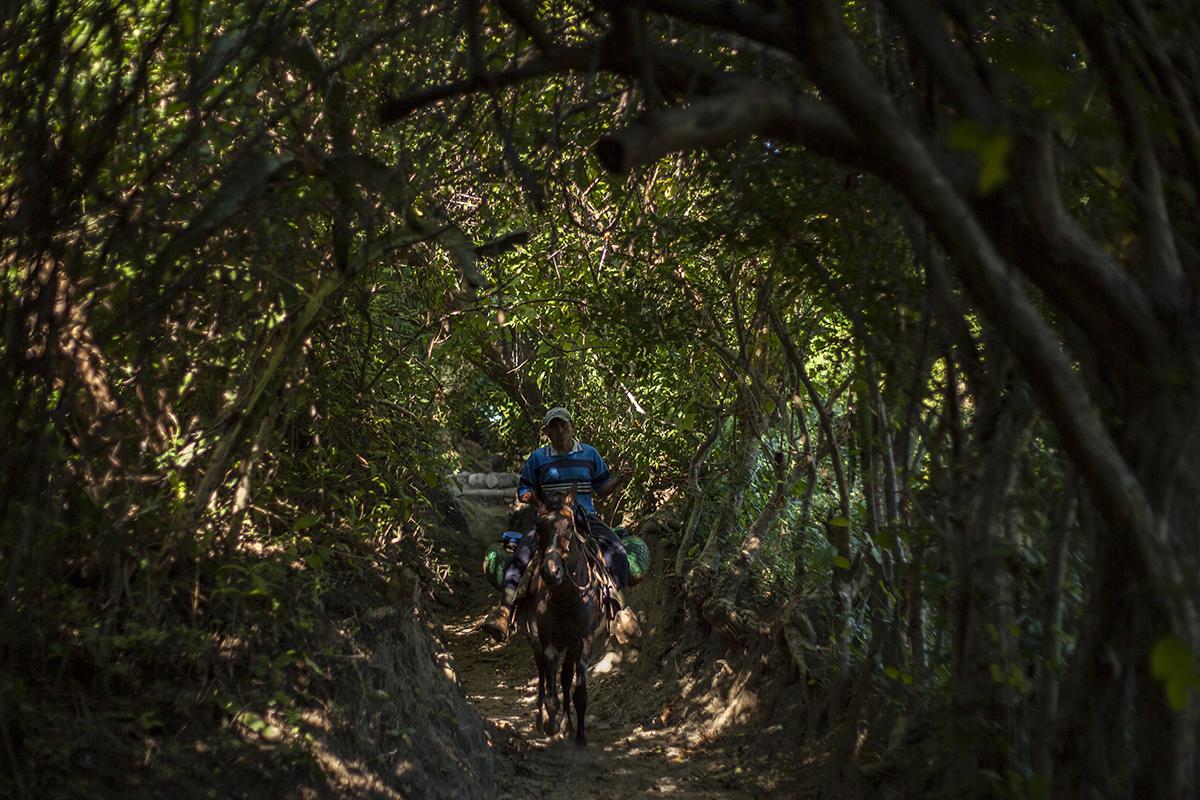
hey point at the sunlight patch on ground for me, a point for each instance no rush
(626, 757)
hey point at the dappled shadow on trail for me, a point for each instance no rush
(623, 759)
(633, 751)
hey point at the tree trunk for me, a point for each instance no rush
(1052, 617)
(697, 499)
(976, 623)
(745, 456)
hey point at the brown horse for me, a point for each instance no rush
(563, 616)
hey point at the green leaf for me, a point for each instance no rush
(1170, 659)
(1177, 694)
(223, 51)
(1172, 662)
(1035, 65)
(252, 721)
(840, 522)
(997, 673)
(308, 662)
(305, 522)
(892, 673)
(842, 562)
(990, 146)
(245, 181)
(189, 19)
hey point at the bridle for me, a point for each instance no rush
(576, 535)
(594, 577)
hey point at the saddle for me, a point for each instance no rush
(596, 566)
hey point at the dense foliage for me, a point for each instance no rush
(893, 304)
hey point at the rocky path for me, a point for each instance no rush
(625, 758)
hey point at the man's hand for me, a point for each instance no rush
(619, 479)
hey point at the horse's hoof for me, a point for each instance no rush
(581, 742)
(550, 727)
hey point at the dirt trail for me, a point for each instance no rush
(625, 757)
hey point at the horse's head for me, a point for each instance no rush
(555, 527)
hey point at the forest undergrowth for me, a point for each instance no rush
(307, 664)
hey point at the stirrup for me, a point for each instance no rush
(497, 623)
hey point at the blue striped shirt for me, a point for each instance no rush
(551, 471)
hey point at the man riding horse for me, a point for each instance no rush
(563, 463)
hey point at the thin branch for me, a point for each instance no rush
(560, 60)
(745, 19)
(1168, 285)
(822, 409)
(526, 20)
(926, 36)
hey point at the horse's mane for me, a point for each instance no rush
(552, 505)
(555, 502)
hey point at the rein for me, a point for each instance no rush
(587, 562)
(595, 573)
(593, 565)
(578, 536)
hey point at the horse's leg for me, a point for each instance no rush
(550, 723)
(580, 700)
(594, 612)
(568, 675)
(539, 720)
(537, 644)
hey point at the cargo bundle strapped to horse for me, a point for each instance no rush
(498, 555)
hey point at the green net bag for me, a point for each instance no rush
(495, 560)
(639, 557)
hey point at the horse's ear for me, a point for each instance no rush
(570, 498)
(541, 501)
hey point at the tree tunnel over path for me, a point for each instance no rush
(892, 306)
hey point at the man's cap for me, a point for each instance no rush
(558, 412)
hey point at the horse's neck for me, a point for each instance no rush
(565, 595)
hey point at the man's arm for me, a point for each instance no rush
(605, 482)
(525, 486)
(611, 485)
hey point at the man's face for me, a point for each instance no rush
(561, 433)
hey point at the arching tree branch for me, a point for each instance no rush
(744, 108)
